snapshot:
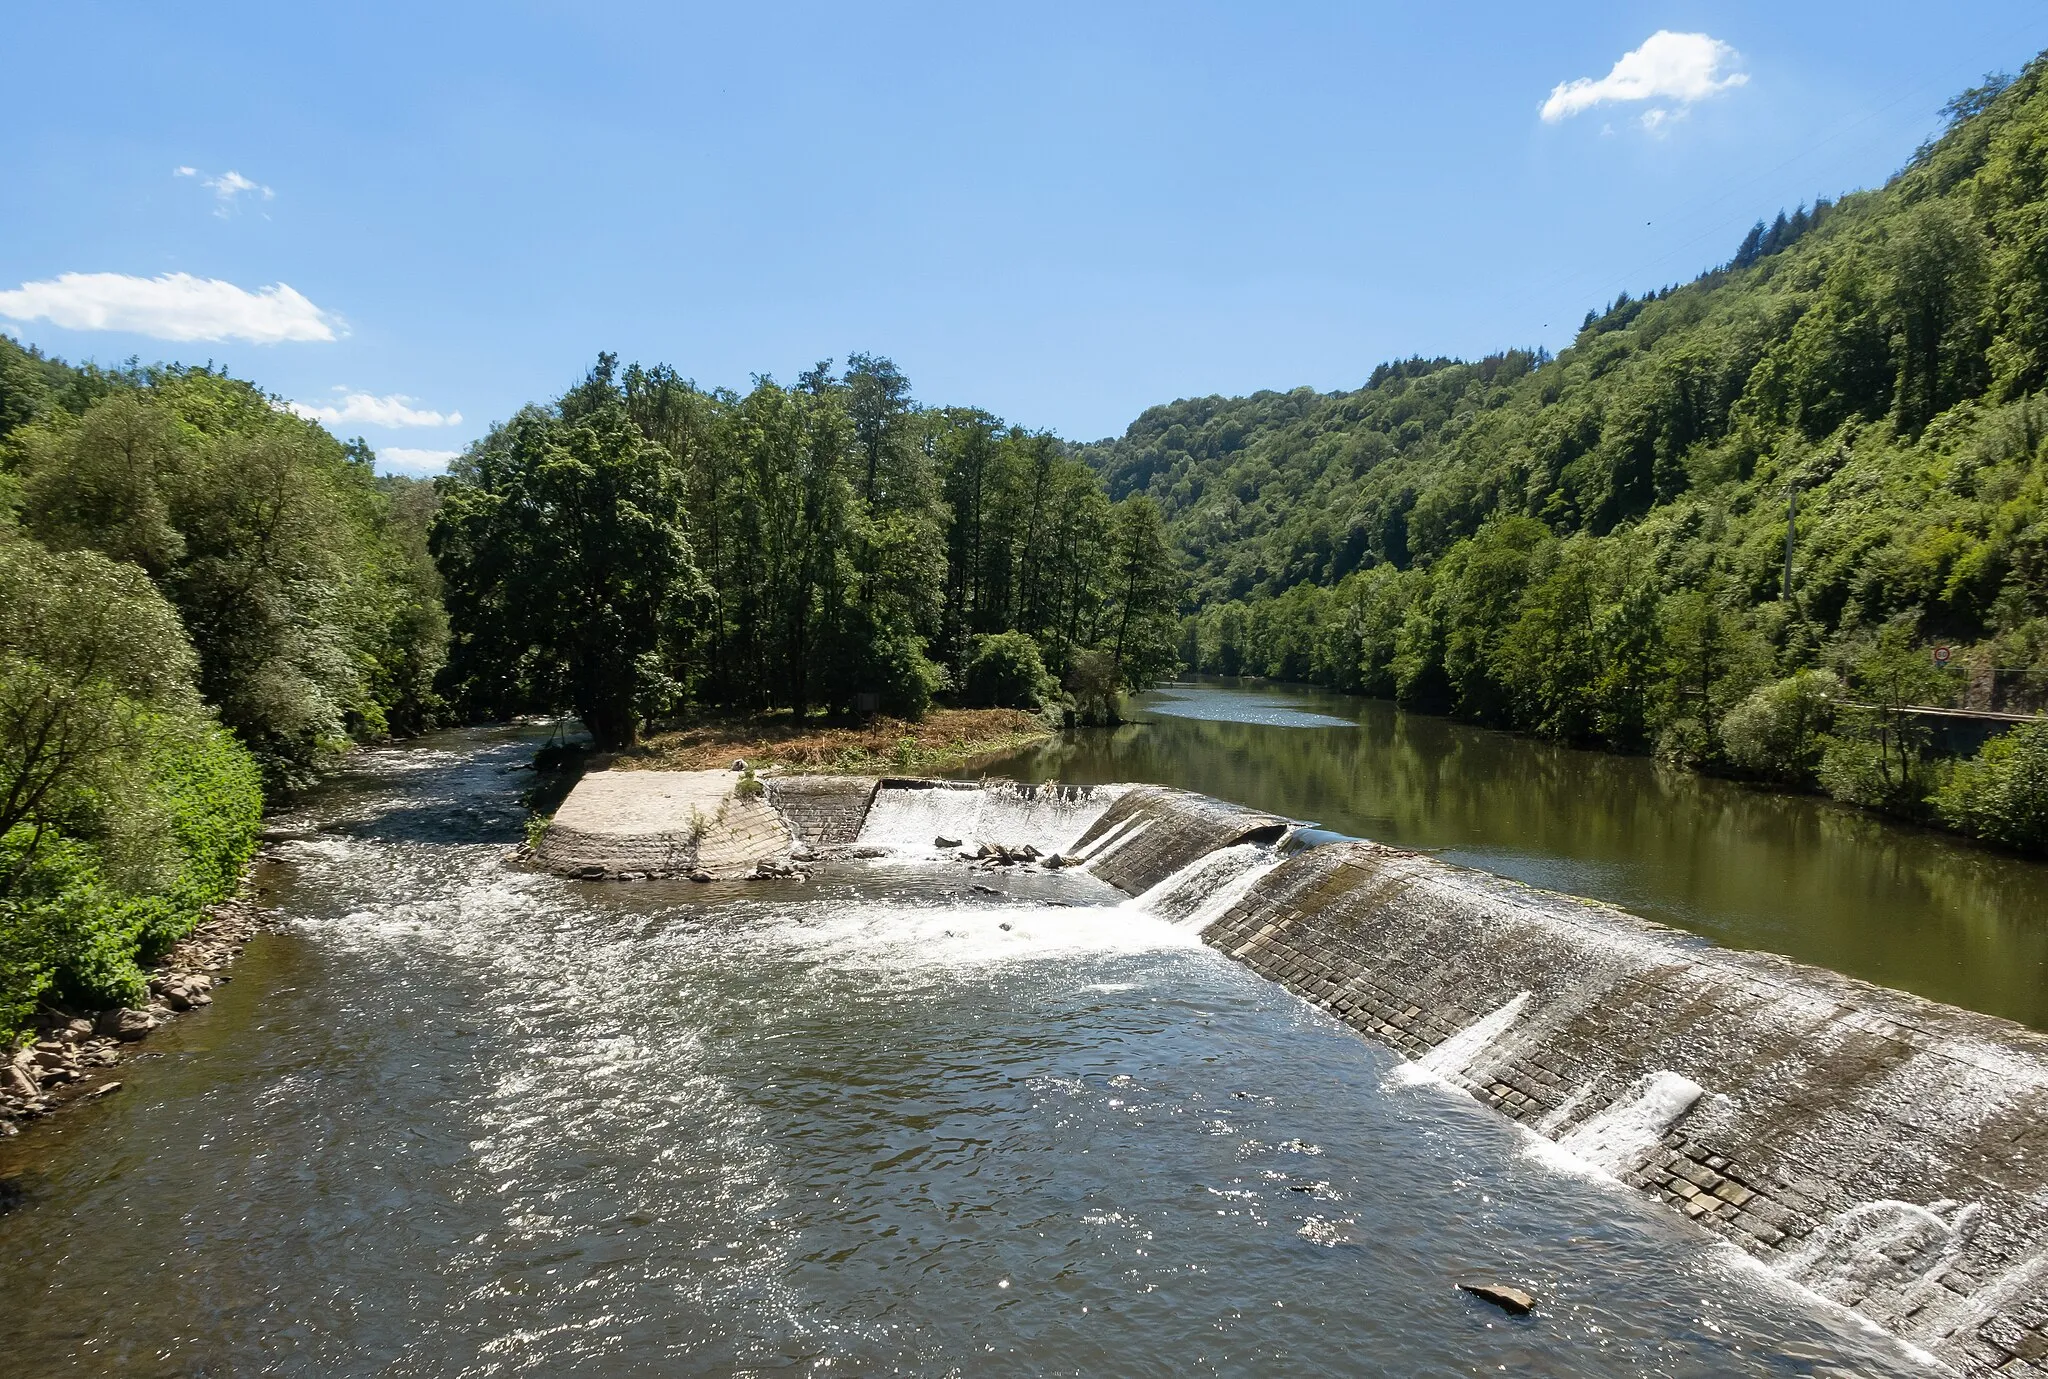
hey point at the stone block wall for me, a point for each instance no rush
(1885, 1151)
(824, 811)
(1152, 831)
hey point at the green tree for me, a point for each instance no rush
(562, 548)
(1147, 595)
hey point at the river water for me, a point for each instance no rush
(455, 1118)
(1904, 907)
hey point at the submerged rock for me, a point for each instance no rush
(1513, 1301)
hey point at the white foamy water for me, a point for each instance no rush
(1615, 1138)
(1050, 818)
(920, 940)
(1463, 1050)
(500, 1123)
(1115, 841)
(1199, 893)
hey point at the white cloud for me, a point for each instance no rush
(227, 187)
(397, 459)
(367, 409)
(175, 306)
(1669, 66)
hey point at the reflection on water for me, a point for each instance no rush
(1903, 907)
(458, 1119)
(1218, 705)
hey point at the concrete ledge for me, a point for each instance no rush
(1888, 1152)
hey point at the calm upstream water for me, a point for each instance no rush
(459, 1119)
(1904, 907)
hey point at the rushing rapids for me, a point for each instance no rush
(463, 1117)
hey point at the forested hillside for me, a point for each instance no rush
(1593, 546)
(204, 597)
(643, 545)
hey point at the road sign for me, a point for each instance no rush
(1941, 655)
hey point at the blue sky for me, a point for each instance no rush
(402, 215)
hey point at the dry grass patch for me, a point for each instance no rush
(942, 738)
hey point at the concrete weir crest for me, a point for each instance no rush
(1884, 1151)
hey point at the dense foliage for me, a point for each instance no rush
(202, 594)
(1593, 547)
(644, 544)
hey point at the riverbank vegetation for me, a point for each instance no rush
(205, 597)
(1593, 547)
(644, 547)
(879, 745)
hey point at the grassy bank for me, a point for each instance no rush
(942, 739)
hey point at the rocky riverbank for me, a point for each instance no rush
(77, 1052)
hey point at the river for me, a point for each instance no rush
(456, 1118)
(1901, 906)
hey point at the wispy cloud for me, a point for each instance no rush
(227, 187)
(1680, 68)
(367, 409)
(397, 459)
(175, 306)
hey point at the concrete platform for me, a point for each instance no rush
(619, 824)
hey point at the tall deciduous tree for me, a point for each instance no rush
(565, 558)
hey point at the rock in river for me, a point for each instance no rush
(1513, 1301)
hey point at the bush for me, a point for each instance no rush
(1095, 687)
(906, 677)
(80, 917)
(2001, 794)
(1779, 732)
(1007, 672)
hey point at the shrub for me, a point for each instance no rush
(80, 916)
(2001, 794)
(1095, 687)
(1780, 731)
(1007, 672)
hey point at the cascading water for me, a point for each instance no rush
(1201, 891)
(457, 1118)
(908, 820)
(1457, 1055)
(1614, 1139)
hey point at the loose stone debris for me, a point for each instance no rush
(67, 1061)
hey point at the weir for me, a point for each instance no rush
(1885, 1152)
(908, 816)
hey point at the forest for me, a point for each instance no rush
(210, 599)
(1728, 524)
(207, 598)
(1593, 547)
(643, 547)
